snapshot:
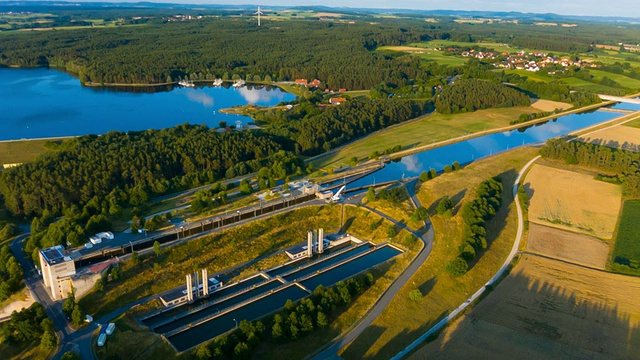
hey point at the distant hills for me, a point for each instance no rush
(511, 15)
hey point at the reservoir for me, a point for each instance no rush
(39, 103)
(467, 151)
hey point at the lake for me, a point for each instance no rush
(39, 103)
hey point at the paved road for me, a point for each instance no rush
(477, 294)
(330, 350)
(34, 283)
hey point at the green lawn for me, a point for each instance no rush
(627, 247)
(21, 151)
(635, 123)
(589, 86)
(619, 78)
(430, 129)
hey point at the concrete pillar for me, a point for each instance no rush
(189, 288)
(320, 241)
(205, 283)
(309, 243)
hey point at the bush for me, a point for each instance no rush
(444, 206)
(391, 231)
(415, 295)
(419, 214)
(424, 176)
(457, 267)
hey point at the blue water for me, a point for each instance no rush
(467, 151)
(350, 268)
(219, 325)
(626, 106)
(36, 103)
(321, 264)
(196, 316)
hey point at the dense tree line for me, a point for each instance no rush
(294, 321)
(468, 95)
(30, 326)
(316, 131)
(10, 273)
(116, 169)
(624, 164)
(338, 54)
(528, 117)
(475, 215)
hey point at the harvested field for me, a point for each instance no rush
(618, 137)
(548, 105)
(572, 201)
(566, 245)
(547, 310)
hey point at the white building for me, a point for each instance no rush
(57, 270)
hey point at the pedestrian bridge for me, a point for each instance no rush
(620, 99)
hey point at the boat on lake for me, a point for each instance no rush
(186, 83)
(217, 82)
(239, 83)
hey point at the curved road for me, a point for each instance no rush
(477, 294)
(330, 350)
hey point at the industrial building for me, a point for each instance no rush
(57, 270)
(313, 246)
(192, 290)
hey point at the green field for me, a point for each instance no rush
(446, 43)
(619, 78)
(589, 86)
(427, 130)
(627, 248)
(635, 123)
(429, 55)
(20, 151)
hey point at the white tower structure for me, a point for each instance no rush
(258, 13)
(320, 241)
(309, 243)
(205, 283)
(189, 288)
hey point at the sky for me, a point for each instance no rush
(624, 8)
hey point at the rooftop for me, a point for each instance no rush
(54, 255)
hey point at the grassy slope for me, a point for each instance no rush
(619, 78)
(404, 320)
(12, 152)
(634, 123)
(435, 127)
(216, 252)
(358, 220)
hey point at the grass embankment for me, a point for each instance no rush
(357, 222)
(635, 123)
(400, 211)
(430, 129)
(30, 351)
(404, 320)
(626, 252)
(216, 252)
(21, 151)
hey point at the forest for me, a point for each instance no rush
(315, 131)
(468, 95)
(340, 54)
(121, 169)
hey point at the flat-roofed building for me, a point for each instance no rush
(57, 270)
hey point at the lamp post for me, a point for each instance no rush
(234, 320)
(238, 215)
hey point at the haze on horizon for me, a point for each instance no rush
(621, 8)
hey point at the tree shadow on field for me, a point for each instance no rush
(360, 346)
(529, 313)
(457, 201)
(427, 286)
(347, 224)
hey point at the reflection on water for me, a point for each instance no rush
(467, 151)
(48, 103)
